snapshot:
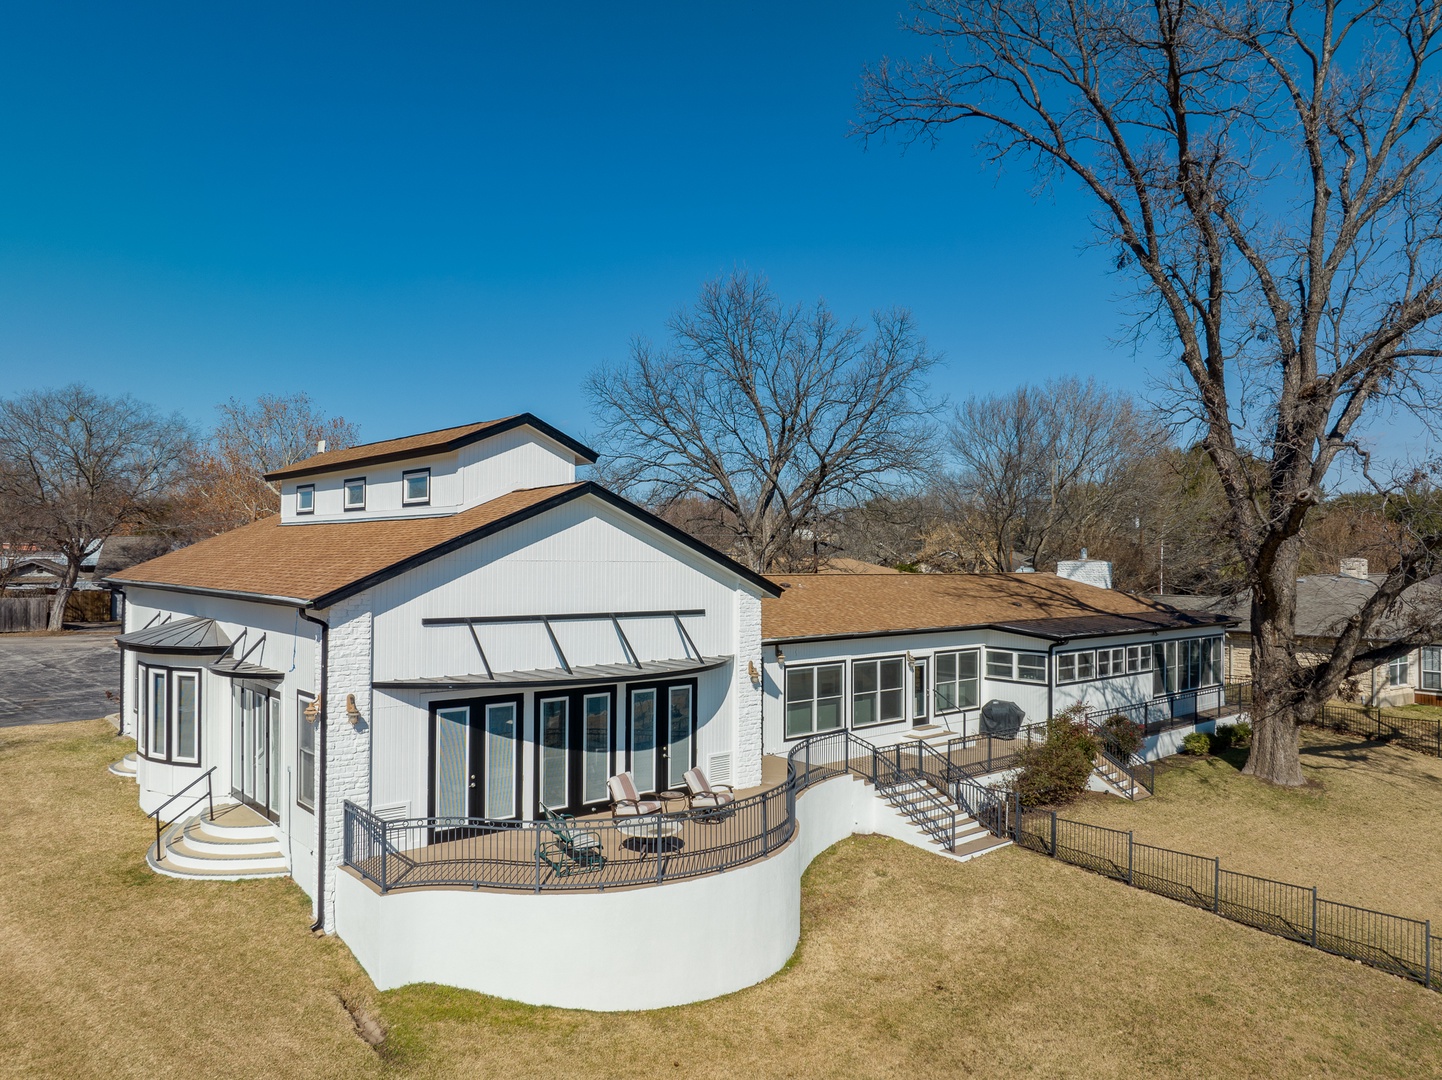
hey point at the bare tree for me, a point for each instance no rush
(227, 486)
(81, 467)
(779, 416)
(1263, 171)
(1044, 467)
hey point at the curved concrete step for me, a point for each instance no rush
(188, 849)
(125, 767)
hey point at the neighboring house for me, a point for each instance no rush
(1324, 603)
(35, 574)
(442, 641)
(898, 656)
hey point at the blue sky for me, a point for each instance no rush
(429, 214)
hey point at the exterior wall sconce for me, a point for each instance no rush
(751, 670)
(312, 711)
(780, 656)
(352, 713)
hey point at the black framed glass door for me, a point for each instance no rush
(574, 732)
(474, 760)
(661, 735)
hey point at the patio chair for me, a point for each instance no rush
(701, 794)
(568, 850)
(624, 800)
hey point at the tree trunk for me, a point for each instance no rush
(1277, 705)
(62, 597)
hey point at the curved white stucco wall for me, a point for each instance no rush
(631, 949)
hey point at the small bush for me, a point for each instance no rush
(1221, 739)
(1241, 733)
(1057, 770)
(1198, 743)
(1123, 737)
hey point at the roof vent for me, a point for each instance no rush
(1356, 568)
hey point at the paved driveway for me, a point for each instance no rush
(46, 678)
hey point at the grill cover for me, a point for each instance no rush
(1002, 719)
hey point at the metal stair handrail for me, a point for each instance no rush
(208, 795)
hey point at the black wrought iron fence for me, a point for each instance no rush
(1419, 733)
(1392, 943)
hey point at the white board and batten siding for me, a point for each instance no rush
(583, 556)
(290, 647)
(460, 479)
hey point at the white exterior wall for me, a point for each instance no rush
(583, 556)
(1031, 697)
(290, 647)
(463, 478)
(723, 931)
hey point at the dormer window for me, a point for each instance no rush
(416, 487)
(355, 494)
(305, 499)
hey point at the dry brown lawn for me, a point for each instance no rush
(1366, 830)
(910, 965)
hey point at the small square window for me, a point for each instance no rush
(305, 499)
(416, 487)
(355, 494)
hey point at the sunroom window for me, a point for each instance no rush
(813, 699)
(877, 692)
(956, 680)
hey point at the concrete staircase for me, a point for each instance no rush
(125, 767)
(237, 843)
(931, 813)
(934, 735)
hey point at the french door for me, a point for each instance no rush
(662, 735)
(574, 732)
(920, 697)
(255, 750)
(474, 761)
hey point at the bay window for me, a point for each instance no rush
(170, 715)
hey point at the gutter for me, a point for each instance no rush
(123, 607)
(195, 590)
(1051, 675)
(319, 924)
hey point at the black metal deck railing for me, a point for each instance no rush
(608, 853)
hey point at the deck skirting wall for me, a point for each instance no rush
(644, 948)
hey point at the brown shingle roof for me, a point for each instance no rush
(313, 561)
(850, 605)
(430, 442)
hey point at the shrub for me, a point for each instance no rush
(1057, 770)
(1221, 739)
(1123, 737)
(1198, 742)
(1241, 733)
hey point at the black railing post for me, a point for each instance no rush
(988, 753)
(1216, 886)
(385, 861)
(1427, 954)
(765, 832)
(1053, 834)
(1016, 826)
(1314, 916)
(210, 795)
(1131, 844)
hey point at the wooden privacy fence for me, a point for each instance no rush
(21, 613)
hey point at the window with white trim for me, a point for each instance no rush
(877, 692)
(305, 732)
(813, 698)
(355, 493)
(1431, 667)
(305, 499)
(1075, 666)
(1031, 667)
(1000, 664)
(957, 681)
(1188, 664)
(1015, 666)
(1139, 658)
(1111, 663)
(416, 487)
(1397, 670)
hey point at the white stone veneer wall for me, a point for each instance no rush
(748, 694)
(347, 768)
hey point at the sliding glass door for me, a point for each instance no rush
(255, 749)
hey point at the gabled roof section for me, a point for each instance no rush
(430, 442)
(820, 606)
(195, 635)
(320, 563)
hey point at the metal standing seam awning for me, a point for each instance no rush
(535, 678)
(194, 635)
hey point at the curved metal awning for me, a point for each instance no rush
(644, 671)
(239, 669)
(193, 635)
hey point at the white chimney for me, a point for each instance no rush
(320, 447)
(1356, 568)
(1096, 572)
